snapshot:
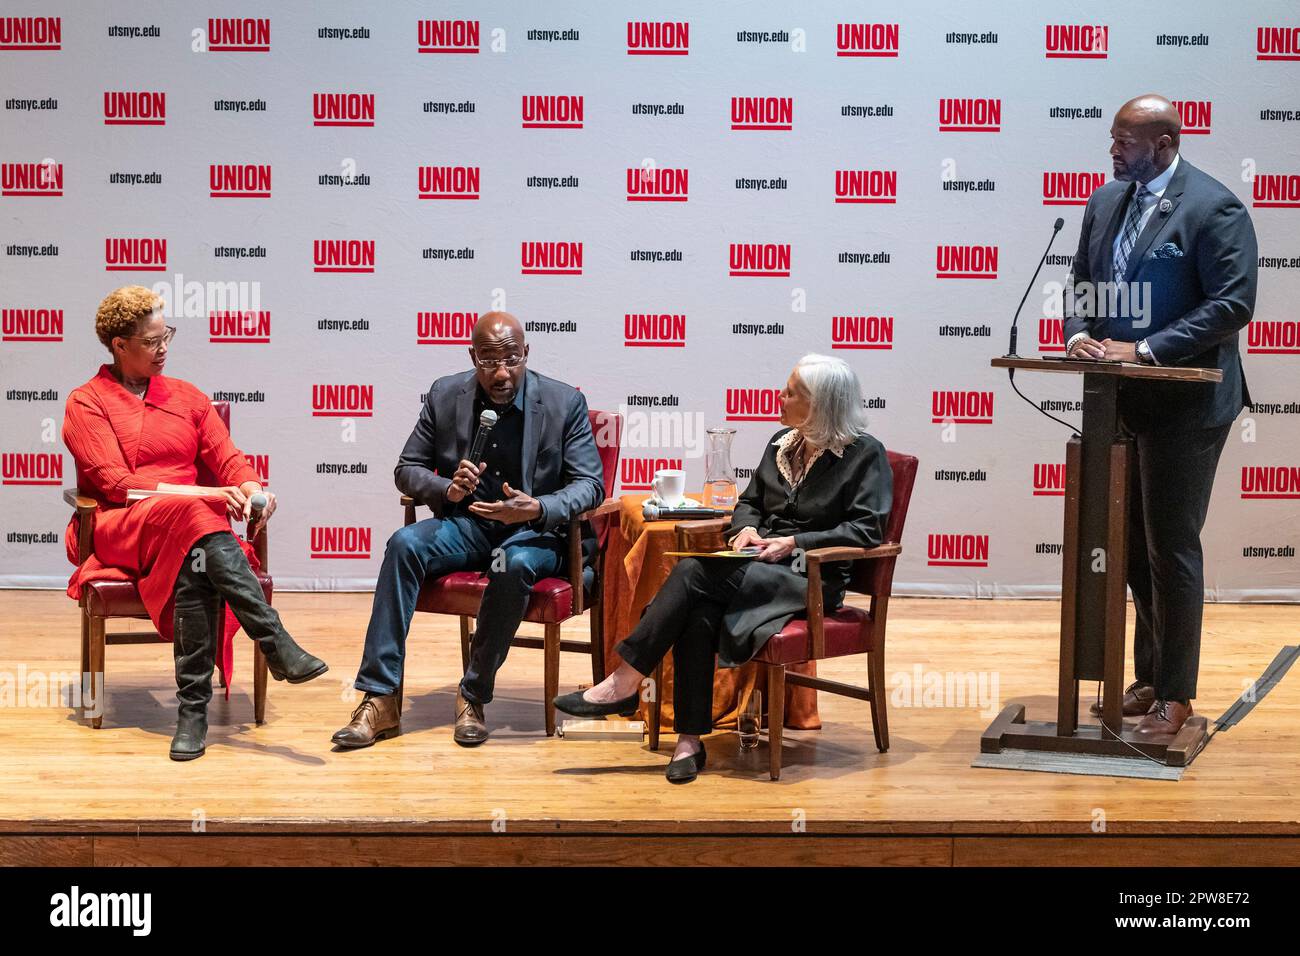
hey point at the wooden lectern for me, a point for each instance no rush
(1094, 576)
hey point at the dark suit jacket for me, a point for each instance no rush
(842, 501)
(559, 461)
(1199, 298)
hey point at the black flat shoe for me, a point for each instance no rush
(684, 769)
(575, 705)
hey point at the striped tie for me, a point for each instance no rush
(1131, 229)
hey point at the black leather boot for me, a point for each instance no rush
(194, 646)
(229, 572)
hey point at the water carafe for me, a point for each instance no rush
(719, 475)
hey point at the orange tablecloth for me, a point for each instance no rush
(635, 567)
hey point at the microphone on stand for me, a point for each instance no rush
(1011, 345)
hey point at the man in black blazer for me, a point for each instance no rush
(1165, 274)
(505, 515)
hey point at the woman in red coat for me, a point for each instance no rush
(131, 427)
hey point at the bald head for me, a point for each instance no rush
(497, 328)
(1144, 137)
(498, 339)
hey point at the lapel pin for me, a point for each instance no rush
(1165, 206)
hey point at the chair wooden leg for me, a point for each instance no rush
(876, 684)
(597, 623)
(466, 635)
(95, 668)
(401, 693)
(656, 706)
(259, 684)
(85, 658)
(775, 717)
(551, 650)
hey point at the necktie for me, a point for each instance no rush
(1132, 221)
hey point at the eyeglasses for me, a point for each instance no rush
(154, 342)
(491, 365)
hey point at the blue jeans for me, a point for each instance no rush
(438, 546)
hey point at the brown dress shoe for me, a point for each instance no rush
(471, 730)
(375, 718)
(1138, 698)
(1164, 717)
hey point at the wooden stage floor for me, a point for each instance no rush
(280, 794)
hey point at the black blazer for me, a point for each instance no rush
(1200, 259)
(842, 501)
(560, 464)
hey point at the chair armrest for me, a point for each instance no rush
(853, 554)
(689, 531)
(606, 507)
(79, 501)
(407, 501)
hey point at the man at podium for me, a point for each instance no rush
(1165, 274)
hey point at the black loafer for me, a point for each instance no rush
(684, 769)
(575, 705)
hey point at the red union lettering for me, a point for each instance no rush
(962, 407)
(652, 183)
(234, 33)
(343, 255)
(449, 182)
(343, 109)
(236, 326)
(759, 259)
(669, 37)
(448, 36)
(1048, 478)
(967, 262)
(862, 331)
(1070, 189)
(1195, 115)
(124, 254)
(31, 33)
(260, 464)
(1077, 40)
(1270, 481)
(762, 112)
(971, 550)
(444, 328)
(1275, 190)
(641, 328)
(1275, 337)
(26, 468)
(866, 185)
(866, 39)
(135, 108)
(753, 404)
(960, 115)
(31, 325)
(1051, 335)
(236, 180)
(639, 472)
(555, 111)
(1277, 43)
(551, 257)
(31, 179)
(337, 400)
(335, 542)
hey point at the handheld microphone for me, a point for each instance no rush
(256, 506)
(1011, 345)
(486, 421)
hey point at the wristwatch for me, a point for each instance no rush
(1144, 353)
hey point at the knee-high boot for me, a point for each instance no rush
(194, 645)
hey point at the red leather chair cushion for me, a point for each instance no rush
(121, 599)
(461, 592)
(848, 631)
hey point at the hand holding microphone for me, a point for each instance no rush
(258, 510)
(465, 478)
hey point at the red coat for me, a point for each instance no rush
(121, 442)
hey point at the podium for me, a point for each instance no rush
(1094, 576)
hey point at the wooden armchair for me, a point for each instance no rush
(553, 600)
(103, 600)
(816, 635)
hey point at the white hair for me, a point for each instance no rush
(835, 415)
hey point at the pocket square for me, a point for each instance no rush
(1168, 251)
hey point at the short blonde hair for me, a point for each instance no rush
(124, 311)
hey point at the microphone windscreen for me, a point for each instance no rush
(488, 418)
(1060, 222)
(258, 502)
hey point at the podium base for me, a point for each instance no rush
(1010, 730)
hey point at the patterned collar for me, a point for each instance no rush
(788, 449)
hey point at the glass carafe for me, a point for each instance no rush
(719, 475)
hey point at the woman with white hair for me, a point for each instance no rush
(822, 482)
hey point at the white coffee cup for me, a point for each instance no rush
(669, 487)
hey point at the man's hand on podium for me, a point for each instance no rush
(1108, 349)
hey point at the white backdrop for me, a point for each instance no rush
(119, 123)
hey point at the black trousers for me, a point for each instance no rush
(1169, 495)
(686, 615)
